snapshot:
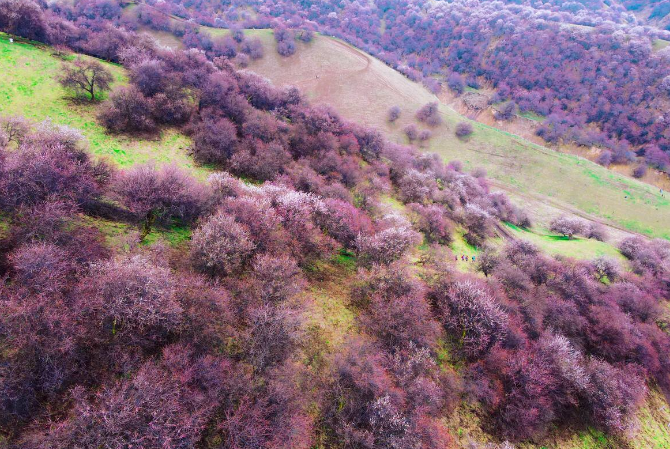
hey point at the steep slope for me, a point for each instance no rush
(363, 88)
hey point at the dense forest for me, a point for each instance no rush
(212, 344)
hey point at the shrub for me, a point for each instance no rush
(15, 128)
(605, 267)
(526, 408)
(364, 408)
(221, 246)
(170, 108)
(344, 222)
(286, 48)
(262, 222)
(165, 404)
(412, 132)
(127, 110)
(432, 222)
(507, 112)
(393, 114)
(487, 260)
(387, 245)
(425, 135)
(478, 224)
(614, 395)
(50, 166)
(273, 334)
(400, 321)
(214, 141)
(472, 315)
(596, 231)
(260, 161)
(47, 221)
(276, 278)
(639, 171)
(149, 76)
(160, 196)
(605, 158)
(253, 47)
(429, 114)
(41, 267)
(43, 358)
(23, 18)
(242, 60)
(132, 299)
(456, 83)
(416, 187)
(630, 247)
(633, 301)
(463, 129)
(306, 36)
(275, 417)
(218, 89)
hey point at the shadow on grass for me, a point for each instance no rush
(558, 238)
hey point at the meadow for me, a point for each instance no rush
(29, 87)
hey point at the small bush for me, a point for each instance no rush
(463, 129)
(429, 114)
(393, 114)
(567, 226)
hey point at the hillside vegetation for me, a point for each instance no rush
(363, 89)
(300, 277)
(29, 87)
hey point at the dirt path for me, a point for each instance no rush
(504, 233)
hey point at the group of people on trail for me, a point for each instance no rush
(464, 258)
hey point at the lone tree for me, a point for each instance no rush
(567, 226)
(394, 114)
(86, 78)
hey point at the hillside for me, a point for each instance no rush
(333, 72)
(532, 175)
(309, 294)
(36, 94)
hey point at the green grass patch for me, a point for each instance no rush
(659, 44)
(577, 247)
(29, 87)
(118, 234)
(530, 115)
(174, 236)
(393, 203)
(345, 259)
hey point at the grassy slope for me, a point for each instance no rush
(362, 88)
(28, 87)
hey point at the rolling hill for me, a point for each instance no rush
(363, 88)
